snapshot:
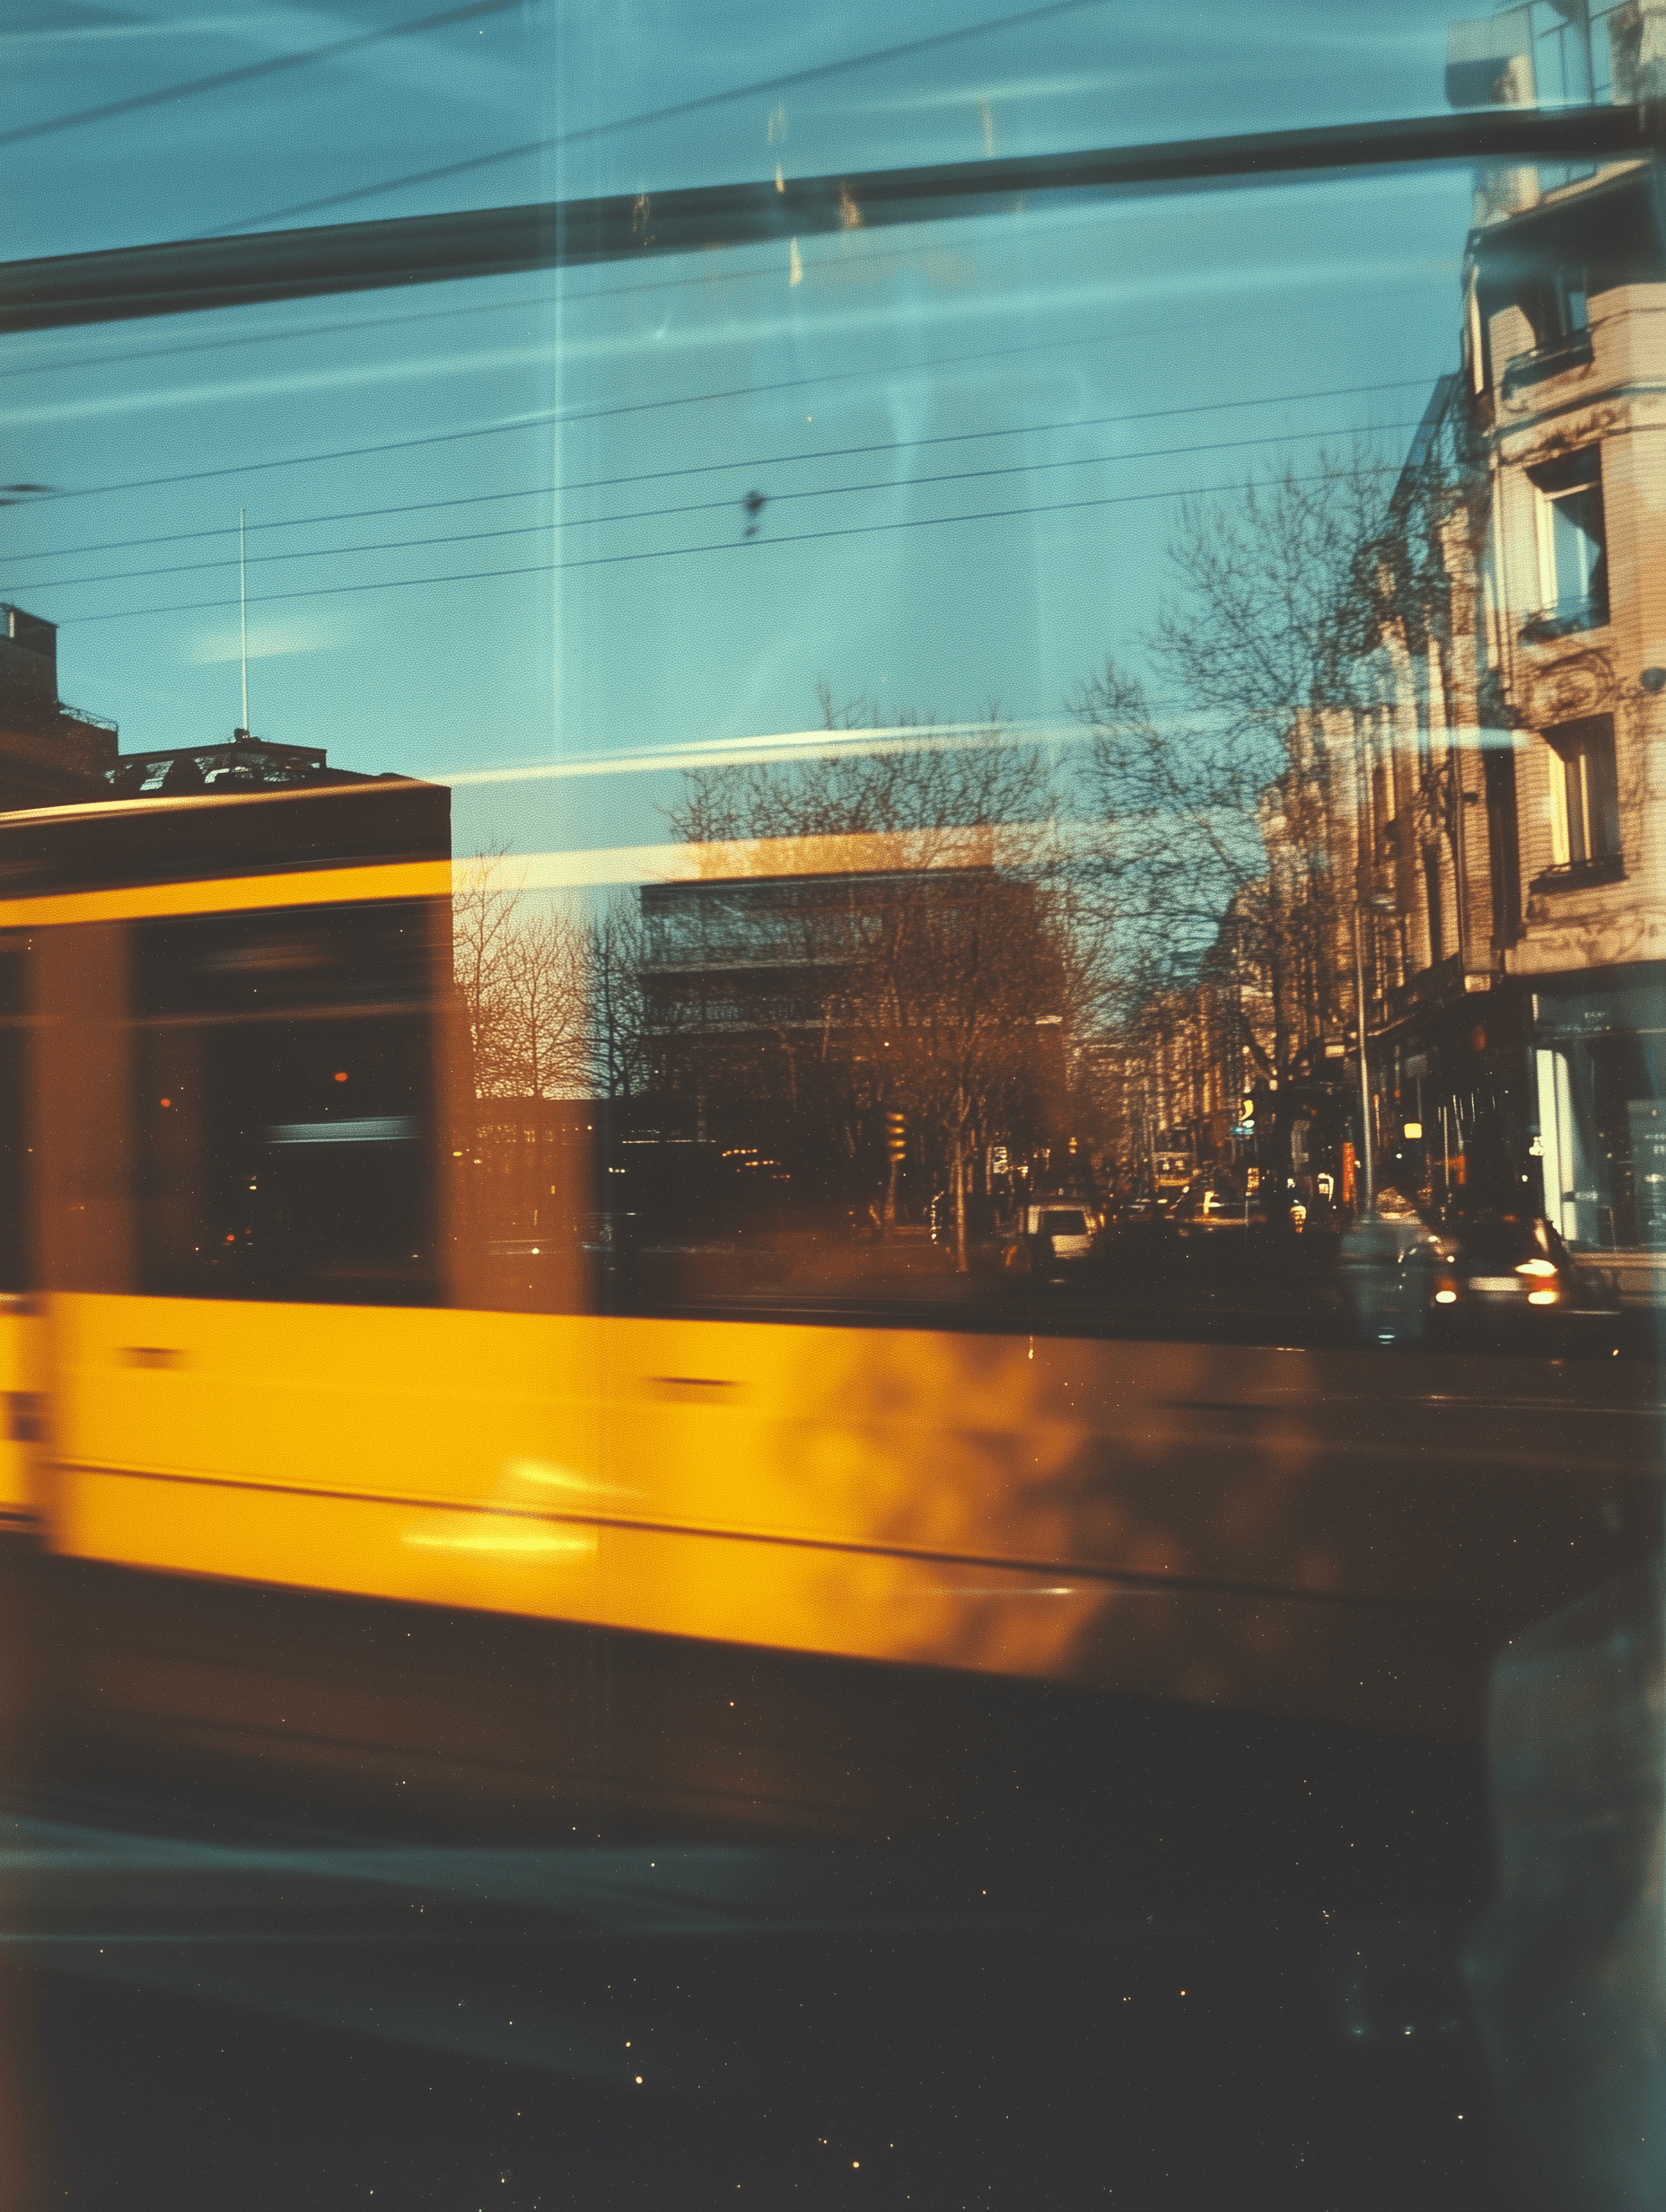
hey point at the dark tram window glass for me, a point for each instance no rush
(282, 1117)
(961, 1499)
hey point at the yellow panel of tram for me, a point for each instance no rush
(20, 1413)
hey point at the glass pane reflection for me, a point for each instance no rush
(835, 1204)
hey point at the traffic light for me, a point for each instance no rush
(896, 1135)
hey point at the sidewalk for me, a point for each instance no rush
(1638, 1279)
(829, 1260)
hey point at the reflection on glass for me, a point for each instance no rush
(860, 1251)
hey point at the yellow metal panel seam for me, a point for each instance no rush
(405, 879)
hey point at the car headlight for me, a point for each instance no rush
(1536, 1267)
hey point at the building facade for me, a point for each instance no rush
(865, 1037)
(55, 755)
(1467, 847)
(50, 754)
(1505, 849)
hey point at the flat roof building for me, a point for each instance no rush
(50, 754)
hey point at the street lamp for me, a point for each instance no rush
(1372, 903)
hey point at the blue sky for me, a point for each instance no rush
(969, 435)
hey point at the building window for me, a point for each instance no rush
(1573, 544)
(1584, 792)
(1502, 845)
(1431, 894)
(1573, 304)
(1474, 339)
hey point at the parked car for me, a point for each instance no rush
(1056, 1238)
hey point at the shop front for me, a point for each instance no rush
(1600, 1077)
(1453, 1105)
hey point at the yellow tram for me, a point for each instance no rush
(249, 1334)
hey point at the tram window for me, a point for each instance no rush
(1036, 1298)
(283, 1124)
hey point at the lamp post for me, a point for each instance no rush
(1372, 903)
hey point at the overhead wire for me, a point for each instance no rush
(247, 72)
(791, 80)
(557, 417)
(707, 507)
(546, 418)
(723, 545)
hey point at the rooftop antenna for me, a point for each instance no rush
(242, 618)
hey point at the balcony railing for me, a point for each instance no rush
(95, 722)
(1563, 620)
(1562, 354)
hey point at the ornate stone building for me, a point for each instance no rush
(1509, 771)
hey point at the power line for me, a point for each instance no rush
(789, 82)
(250, 71)
(721, 545)
(543, 421)
(707, 507)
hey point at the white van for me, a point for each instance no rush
(1061, 1229)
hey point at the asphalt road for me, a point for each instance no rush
(911, 1941)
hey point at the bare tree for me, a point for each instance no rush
(949, 950)
(618, 1044)
(544, 988)
(1220, 808)
(483, 927)
(521, 970)
(1261, 622)
(960, 984)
